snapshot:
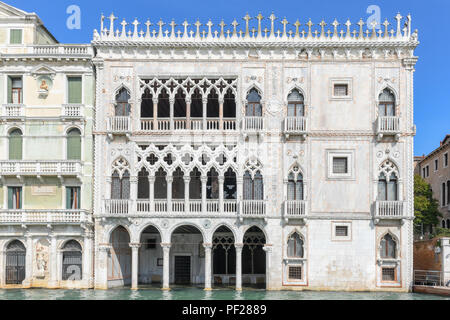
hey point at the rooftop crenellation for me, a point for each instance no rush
(279, 31)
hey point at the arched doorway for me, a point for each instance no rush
(187, 256)
(223, 257)
(150, 257)
(254, 258)
(119, 259)
(72, 261)
(15, 262)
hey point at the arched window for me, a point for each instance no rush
(212, 185)
(443, 223)
(147, 104)
(295, 246)
(15, 263)
(178, 184)
(72, 261)
(386, 107)
(179, 108)
(230, 185)
(388, 247)
(229, 105)
(120, 186)
(15, 145)
(163, 104)
(253, 107)
(387, 188)
(143, 185)
(74, 144)
(253, 187)
(296, 104)
(160, 184)
(295, 187)
(213, 104)
(196, 104)
(122, 108)
(195, 185)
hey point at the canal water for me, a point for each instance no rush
(199, 294)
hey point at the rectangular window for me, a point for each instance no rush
(428, 171)
(436, 165)
(295, 273)
(340, 90)
(340, 165)
(14, 198)
(424, 173)
(388, 274)
(341, 231)
(73, 198)
(443, 194)
(74, 90)
(15, 90)
(446, 160)
(15, 36)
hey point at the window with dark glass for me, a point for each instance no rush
(295, 246)
(120, 187)
(295, 187)
(341, 90)
(253, 107)
(122, 108)
(387, 190)
(253, 188)
(388, 247)
(340, 165)
(73, 198)
(296, 106)
(386, 106)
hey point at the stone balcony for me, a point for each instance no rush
(252, 209)
(183, 124)
(68, 51)
(72, 111)
(388, 126)
(253, 125)
(295, 126)
(295, 209)
(118, 125)
(44, 217)
(389, 210)
(13, 111)
(113, 207)
(39, 169)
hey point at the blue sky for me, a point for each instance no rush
(432, 86)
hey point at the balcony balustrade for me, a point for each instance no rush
(252, 209)
(182, 124)
(391, 210)
(120, 125)
(26, 216)
(72, 111)
(253, 124)
(388, 126)
(40, 168)
(295, 126)
(13, 111)
(295, 209)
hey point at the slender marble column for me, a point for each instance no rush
(187, 180)
(29, 261)
(134, 265)
(172, 103)
(208, 249)
(166, 265)
(53, 262)
(204, 181)
(221, 200)
(221, 115)
(238, 247)
(87, 259)
(151, 183)
(169, 193)
(101, 274)
(188, 114)
(155, 114)
(268, 249)
(205, 105)
(133, 194)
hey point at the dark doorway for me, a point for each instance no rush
(182, 270)
(15, 263)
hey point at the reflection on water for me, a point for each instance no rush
(199, 294)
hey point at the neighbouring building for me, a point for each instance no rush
(47, 99)
(278, 157)
(435, 169)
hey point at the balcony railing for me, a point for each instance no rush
(72, 111)
(25, 216)
(193, 124)
(40, 168)
(176, 207)
(388, 126)
(252, 208)
(55, 50)
(253, 124)
(295, 209)
(119, 125)
(295, 126)
(389, 210)
(13, 111)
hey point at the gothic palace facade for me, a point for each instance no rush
(271, 155)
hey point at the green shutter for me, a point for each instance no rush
(68, 198)
(74, 90)
(15, 145)
(73, 146)
(10, 90)
(78, 198)
(10, 198)
(20, 198)
(15, 36)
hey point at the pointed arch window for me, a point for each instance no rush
(296, 104)
(197, 104)
(229, 105)
(230, 185)
(195, 185)
(386, 106)
(160, 184)
(387, 188)
(120, 186)
(253, 107)
(143, 185)
(147, 104)
(388, 247)
(180, 104)
(253, 187)
(74, 144)
(295, 246)
(213, 104)
(212, 185)
(122, 107)
(178, 184)
(295, 187)
(15, 145)
(163, 104)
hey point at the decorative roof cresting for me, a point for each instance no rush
(287, 33)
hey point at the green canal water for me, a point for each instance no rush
(199, 294)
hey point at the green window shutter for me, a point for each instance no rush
(15, 36)
(74, 90)
(9, 90)
(78, 189)
(74, 145)
(15, 145)
(68, 198)
(20, 198)
(10, 198)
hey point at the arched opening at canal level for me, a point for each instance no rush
(254, 259)
(119, 258)
(223, 258)
(150, 258)
(187, 257)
